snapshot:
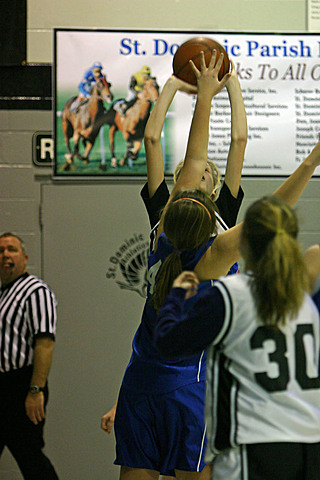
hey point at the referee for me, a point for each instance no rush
(27, 333)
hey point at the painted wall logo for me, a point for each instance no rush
(129, 264)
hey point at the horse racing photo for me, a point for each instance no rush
(105, 85)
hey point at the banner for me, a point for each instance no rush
(279, 76)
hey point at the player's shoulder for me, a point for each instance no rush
(235, 289)
(239, 281)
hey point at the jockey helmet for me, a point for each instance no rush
(97, 65)
(146, 70)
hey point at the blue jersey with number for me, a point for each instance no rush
(147, 371)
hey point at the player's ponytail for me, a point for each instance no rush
(273, 255)
(189, 221)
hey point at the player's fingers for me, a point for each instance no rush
(189, 277)
(109, 427)
(219, 63)
(213, 59)
(194, 68)
(104, 424)
(186, 274)
(202, 62)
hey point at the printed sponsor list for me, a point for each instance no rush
(282, 125)
(307, 111)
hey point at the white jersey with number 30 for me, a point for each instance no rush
(262, 383)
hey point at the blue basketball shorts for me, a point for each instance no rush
(161, 432)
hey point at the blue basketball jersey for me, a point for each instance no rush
(148, 371)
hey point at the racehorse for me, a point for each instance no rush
(85, 123)
(133, 124)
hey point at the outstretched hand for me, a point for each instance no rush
(207, 77)
(189, 281)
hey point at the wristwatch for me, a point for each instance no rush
(35, 389)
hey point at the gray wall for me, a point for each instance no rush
(84, 225)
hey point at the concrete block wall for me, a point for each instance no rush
(20, 189)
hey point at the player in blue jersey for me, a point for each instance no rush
(227, 198)
(90, 76)
(139, 456)
(187, 461)
(263, 390)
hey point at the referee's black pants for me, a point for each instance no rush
(22, 437)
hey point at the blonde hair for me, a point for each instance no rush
(188, 222)
(273, 255)
(216, 174)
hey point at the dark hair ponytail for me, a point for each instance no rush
(189, 221)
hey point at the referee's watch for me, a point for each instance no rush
(36, 389)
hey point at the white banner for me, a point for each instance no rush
(279, 76)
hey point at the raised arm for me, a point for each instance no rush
(196, 155)
(225, 250)
(239, 133)
(197, 148)
(152, 133)
(312, 262)
(291, 190)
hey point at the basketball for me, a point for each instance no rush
(191, 50)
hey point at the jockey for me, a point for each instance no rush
(90, 76)
(137, 82)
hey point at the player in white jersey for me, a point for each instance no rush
(263, 390)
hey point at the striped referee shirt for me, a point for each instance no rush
(27, 310)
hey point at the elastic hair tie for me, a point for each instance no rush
(280, 231)
(195, 201)
(176, 251)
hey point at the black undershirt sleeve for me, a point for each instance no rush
(156, 203)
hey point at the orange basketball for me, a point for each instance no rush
(191, 50)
